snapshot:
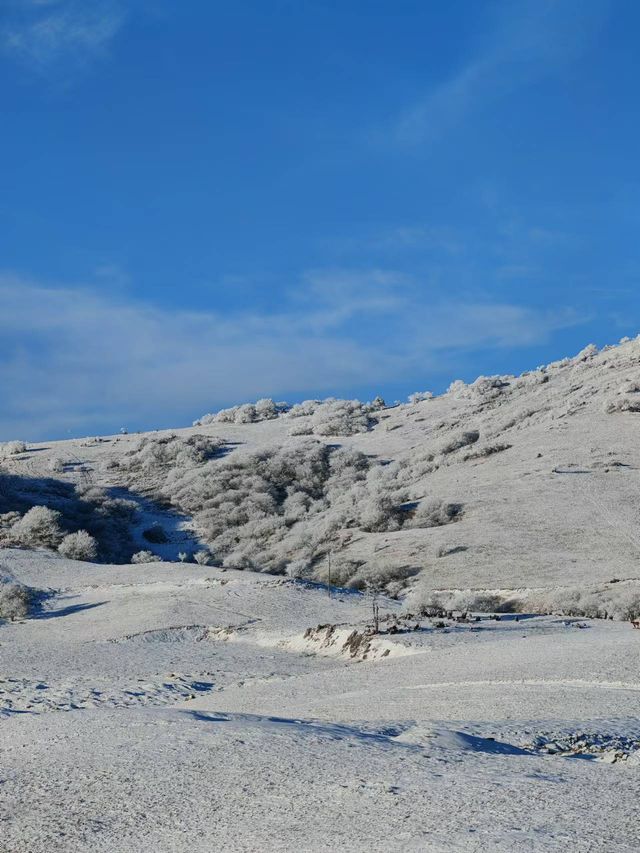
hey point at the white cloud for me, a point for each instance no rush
(78, 361)
(529, 41)
(43, 33)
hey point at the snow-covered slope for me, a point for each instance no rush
(548, 492)
(169, 706)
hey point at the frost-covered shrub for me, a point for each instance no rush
(587, 353)
(245, 507)
(622, 404)
(14, 600)
(156, 454)
(433, 513)
(557, 365)
(462, 440)
(301, 410)
(626, 400)
(429, 602)
(338, 572)
(610, 601)
(269, 508)
(486, 450)
(517, 419)
(40, 512)
(12, 448)
(376, 404)
(473, 601)
(39, 528)
(302, 427)
(420, 396)
(247, 413)
(334, 417)
(617, 601)
(298, 569)
(79, 546)
(56, 465)
(145, 557)
(203, 558)
(483, 389)
(380, 512)
(341, 417)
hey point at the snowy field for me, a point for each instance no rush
(168, 706)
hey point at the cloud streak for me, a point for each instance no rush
(529, 40)
(76, 361)
(41, 34)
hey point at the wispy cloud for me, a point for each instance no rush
(78, 361)
(529, 40)
(42, 34)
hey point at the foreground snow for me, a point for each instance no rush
(172, 708)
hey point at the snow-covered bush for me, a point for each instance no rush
(247, 413)
(282, 509)
(486, 450)
(39, 513)
(428, 602)
(39, 527)
(380, 512)
(246, 507)
(370, 575)
(587, 353)
(79, 546)
(203, 558)
(334, 417)
(420, 396)
(156, 454)
(559, 364)
(56, 465)
(615, 601)
(609, 601)
(301, 427)
(307, 407)
(145, 557)
(14, 600)
(483, 389)
(464, 439)
(433, 513)
(341, 417)
(622, 404)
(12, 448)
(376, 405)
(626, 400)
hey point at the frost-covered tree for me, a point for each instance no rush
(145, 557)
(12, 448)
(79, 546)
(420, 396)
(14, 600)
(39, 527)
(247, 413)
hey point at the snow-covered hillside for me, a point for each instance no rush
(507, 483)
(331, 674)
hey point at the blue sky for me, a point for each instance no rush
(207, 202)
